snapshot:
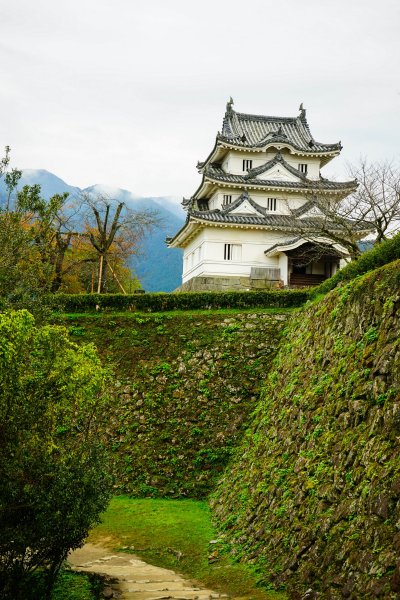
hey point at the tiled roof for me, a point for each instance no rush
(254, 131)
(322, 243)
(216, 173)
(278, 159)
(243, 198)
(283, 243)
(302, 210)
(288, 222)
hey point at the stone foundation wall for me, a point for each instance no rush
(312, 499)
(185, 387)
(226, 284)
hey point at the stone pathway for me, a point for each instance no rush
(129, 578)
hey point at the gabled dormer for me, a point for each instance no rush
(244, 205)
(276, 169)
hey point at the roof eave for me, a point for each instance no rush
(248, 184)
(279, 248)
(293, 149)
(186, 232)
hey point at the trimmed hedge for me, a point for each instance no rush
(159, 302)
(378, 256)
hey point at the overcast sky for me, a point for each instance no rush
(131, 93)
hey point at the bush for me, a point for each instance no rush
(378, 256)
(54, 481)
(159, 302)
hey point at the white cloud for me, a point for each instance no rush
(133, 94)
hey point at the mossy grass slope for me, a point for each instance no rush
(312, 496)
(185, 386)
(380, 255)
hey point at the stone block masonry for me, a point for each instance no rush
(312, 498)
(185, 387)
(228, 284)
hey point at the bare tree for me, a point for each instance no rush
(377, 198)
(372, 210)
(323, 221)
(113, 228)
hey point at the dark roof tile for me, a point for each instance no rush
(216, 173)
(255, 131)
(288, 222)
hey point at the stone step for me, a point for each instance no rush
(133, 579)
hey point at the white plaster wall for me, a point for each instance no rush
(313, 165)
(211, 261)
(285, 201)
(278, 173)
(284, 267)
(217, 199)
(233, 162)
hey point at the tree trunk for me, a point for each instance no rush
(100, 274)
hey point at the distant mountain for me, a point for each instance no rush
(158, 268)
(49, 183)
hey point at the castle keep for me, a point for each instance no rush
(252, 221)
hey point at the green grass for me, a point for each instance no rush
(68, 586)
(176, 534)
(76, 586)
(175, 313)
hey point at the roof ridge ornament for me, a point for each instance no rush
(278, 133)
(226, 123)
(302, 111)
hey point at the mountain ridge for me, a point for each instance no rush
(158, 268)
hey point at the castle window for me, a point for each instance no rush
(227, 199)
(247, 165)
(232, 252)
(202, 204)
(303, 168)
(271, 203)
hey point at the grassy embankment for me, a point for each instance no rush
(169, 533)
(184, 383)
(176, 534)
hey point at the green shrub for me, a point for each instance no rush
(53, 459)
(378, 256)
(158, 302)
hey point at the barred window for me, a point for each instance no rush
(227, 199)
(303, 167)
(247, 164)
(271, 203)
(232, 252)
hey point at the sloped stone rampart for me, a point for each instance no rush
(312, 497)
(185, 387)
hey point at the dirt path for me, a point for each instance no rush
(133, 579)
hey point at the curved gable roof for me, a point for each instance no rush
(231, 208)
(278, 159)
(216, 173)
(255, 131)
